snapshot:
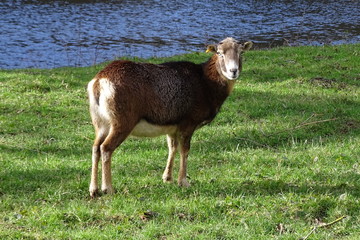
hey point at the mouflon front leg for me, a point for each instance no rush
(173, 145)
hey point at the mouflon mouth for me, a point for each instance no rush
(233, 78)
(231, 75)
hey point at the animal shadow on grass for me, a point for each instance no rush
(26, 179)
(269, 187)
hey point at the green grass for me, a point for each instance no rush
(283, 151)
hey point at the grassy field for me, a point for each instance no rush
(282, 157)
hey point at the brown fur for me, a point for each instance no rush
(178, 97)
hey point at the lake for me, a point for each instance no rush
(49, 34)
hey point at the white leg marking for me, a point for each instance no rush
(172, 144)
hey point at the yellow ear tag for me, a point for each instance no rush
(210, 49)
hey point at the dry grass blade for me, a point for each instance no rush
(322, 226)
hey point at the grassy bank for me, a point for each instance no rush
(280, 158)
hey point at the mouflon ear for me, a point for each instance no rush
(246, 46)
(211, 48)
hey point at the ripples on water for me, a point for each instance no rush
(47, 34)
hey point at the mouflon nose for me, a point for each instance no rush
(233, 70)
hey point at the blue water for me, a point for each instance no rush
(48, 34)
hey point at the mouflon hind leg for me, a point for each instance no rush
(112, 141)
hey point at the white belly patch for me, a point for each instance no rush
(145, 129)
